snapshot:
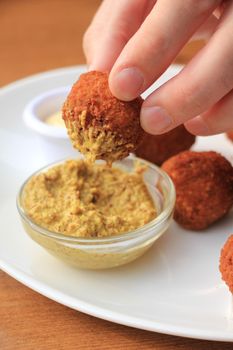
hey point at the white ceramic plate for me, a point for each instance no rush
(175, 288)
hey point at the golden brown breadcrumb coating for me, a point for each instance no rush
(204, 187)
(226, 263)
(158, 148)
(100, 125)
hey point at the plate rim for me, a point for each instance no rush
(112, 316)
(40, 75)
(87, 307)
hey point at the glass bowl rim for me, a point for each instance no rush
(165, 213)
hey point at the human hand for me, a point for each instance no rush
(136, 40)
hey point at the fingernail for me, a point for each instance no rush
(127, 84)
(155, 120)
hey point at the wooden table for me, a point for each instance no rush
(37, 36)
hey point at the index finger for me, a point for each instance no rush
(112, 27)
(154, 46)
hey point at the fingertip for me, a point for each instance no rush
(99, 65)
(90, 67)
(197, 126)
(190, 130)
(155, 120)
(126, 84)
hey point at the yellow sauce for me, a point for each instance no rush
(82, 199)
(55, 120)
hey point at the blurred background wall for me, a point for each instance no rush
(38, 35)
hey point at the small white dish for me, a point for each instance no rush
(52, 139)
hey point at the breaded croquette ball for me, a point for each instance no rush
(158, 148)
(226, 263)
(204, 187)
(99, 125)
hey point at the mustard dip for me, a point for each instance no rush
(83, 199)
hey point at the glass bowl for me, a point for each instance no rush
(107, 252)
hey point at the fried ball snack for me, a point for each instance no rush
(230, 135)
(99, 125)
(204, 187)
(226, 263)
(158, 148)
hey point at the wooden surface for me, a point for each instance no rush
(36, 36)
